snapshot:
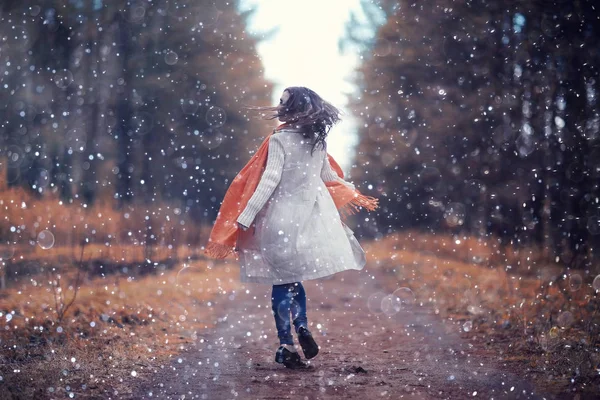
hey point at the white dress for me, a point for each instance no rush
(298, 232)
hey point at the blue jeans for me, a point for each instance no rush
(288, 298)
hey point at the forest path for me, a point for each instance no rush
(363, 355)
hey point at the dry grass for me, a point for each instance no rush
(28, 263)
(24, 217)
(477, 250)
(130, 313)
(116, 326)
(41, 234)
(548, 322)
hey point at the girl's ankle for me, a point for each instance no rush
(290, 347)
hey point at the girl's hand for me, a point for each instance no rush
(245, 228)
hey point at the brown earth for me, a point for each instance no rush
(364, 353)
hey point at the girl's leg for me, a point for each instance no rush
(305, 338)
(281, 298)
(298, 307)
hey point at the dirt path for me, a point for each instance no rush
(412, 354)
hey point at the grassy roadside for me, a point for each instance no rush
(118, 327)
(543, 321)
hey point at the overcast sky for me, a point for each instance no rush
(304, 52)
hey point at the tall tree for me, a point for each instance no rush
(482, 117)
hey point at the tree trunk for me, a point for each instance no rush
(124, 113)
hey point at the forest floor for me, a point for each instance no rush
(429, 317)
(419, 349)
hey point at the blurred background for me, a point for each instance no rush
(122, 126)
(122, 122)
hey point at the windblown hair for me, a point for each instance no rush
(307, 111)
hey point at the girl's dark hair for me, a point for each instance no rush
(307, 111)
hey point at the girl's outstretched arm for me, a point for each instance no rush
(268, 182)
(328, 174)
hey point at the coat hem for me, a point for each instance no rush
(299, 278)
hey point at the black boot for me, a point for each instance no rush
(307, 342)
(289, 358)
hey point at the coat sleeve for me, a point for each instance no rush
(268, 182)
(328, 174)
